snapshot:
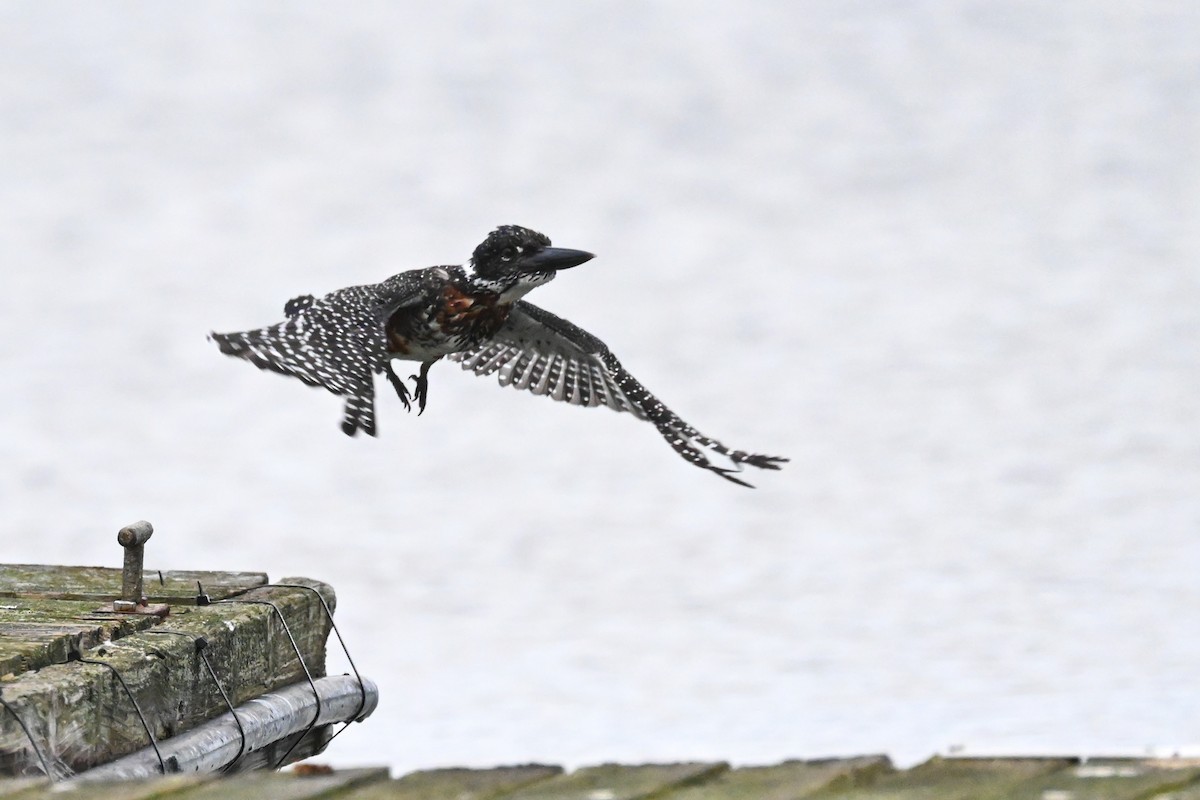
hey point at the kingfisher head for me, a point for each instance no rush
(512, 260)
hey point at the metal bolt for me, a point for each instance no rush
(133, 538)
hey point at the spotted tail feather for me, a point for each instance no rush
(359, 413)
(286, 349)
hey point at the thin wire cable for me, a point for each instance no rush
(145, 725)
(33, 742)
(358, 677)
(303, 666)
(201, 643)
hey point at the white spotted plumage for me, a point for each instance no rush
(340, 341)
(335, 342)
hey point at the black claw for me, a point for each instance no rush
(398, 385)
(422, 390)
(422, 382)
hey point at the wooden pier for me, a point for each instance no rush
(89, 678)
(139, 684)
(862, 778)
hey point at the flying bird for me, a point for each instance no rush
(472, 314)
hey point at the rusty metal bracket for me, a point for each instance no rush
(133, 599)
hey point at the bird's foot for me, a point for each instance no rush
(421, 392)
(398, 385)
(422, 385)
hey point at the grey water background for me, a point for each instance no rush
(943, 255)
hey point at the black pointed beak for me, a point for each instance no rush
(551, 259)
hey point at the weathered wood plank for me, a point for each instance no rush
(171, 786)
(1112, 779)
(283, 785)
(20, 788)
(210, 786)
(36, 633)
(1007, 778)
(956, 779)
(620, 782)
(103, 584)
(1189, 792)
(789, 780)
(456, 784)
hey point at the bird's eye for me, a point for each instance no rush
(508, 253)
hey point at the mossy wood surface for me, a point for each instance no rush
(102, 584)
(870, 778)
(79, 714)
(457, 784)
(947, 778)
(617, 782)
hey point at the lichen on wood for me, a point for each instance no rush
(80, 714)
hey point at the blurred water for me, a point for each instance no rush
(943, 255)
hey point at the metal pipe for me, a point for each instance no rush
(266, 719)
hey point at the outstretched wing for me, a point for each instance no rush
(336, 342)
(546, 355)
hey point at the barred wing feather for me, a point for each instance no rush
(538, 352)
(546, 355)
